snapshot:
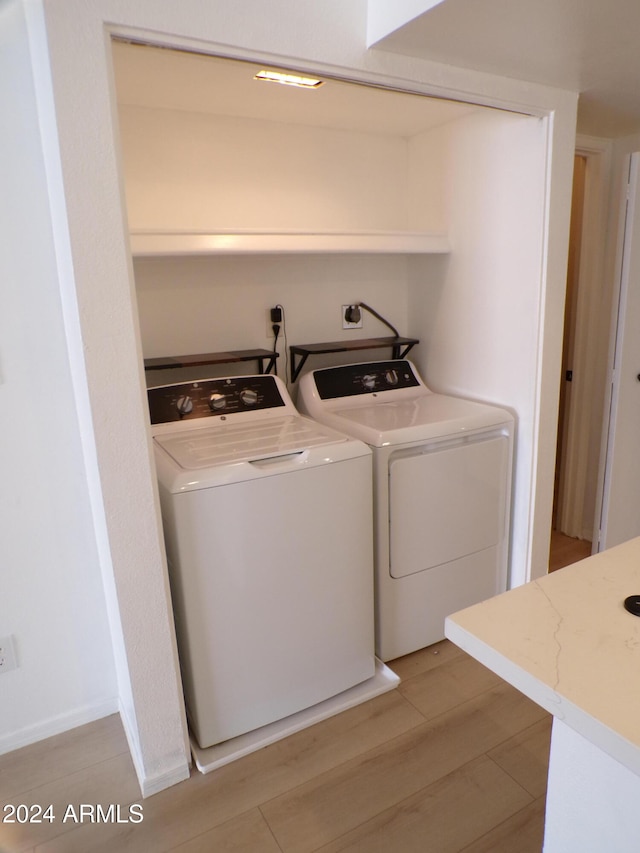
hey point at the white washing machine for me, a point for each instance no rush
(267, 522)
(442, 486)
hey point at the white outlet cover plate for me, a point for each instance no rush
(347, 325)
(7, 655)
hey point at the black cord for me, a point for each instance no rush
(379, 317)
(276, 331)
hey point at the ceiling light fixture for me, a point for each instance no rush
(289, 79)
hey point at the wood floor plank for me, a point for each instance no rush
(525, 757)
(438, 654)
(524, 833)
(53, 758)
(113, 781)
(439, 689)
(443, 817)
(201, 803)
(566, 550)
(247, 833)
(333, 804)
(411, 764)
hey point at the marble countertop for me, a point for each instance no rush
(566, 641)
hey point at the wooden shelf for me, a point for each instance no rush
(160, 243)
(173, 361)
(399, 348)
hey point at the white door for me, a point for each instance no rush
(620, 518)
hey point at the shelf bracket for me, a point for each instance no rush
(295, 369)
(399, 349)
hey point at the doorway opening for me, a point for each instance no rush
(583, 376)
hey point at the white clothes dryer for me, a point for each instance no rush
(267, 520)
(442, 490)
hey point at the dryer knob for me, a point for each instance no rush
(392, 377)
(184, 405)
(249, 397)
(217, 401)
(369, 381)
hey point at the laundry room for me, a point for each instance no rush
(140, 254)
(244, 194)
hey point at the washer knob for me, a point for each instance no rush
(217, 401)
(249, 397)
(392, 377)
(369, 381)
(184, 405)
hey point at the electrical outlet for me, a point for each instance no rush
(269, 326)
(7, 655)
(271, 313)
(350, 324)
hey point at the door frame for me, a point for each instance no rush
(73, 76)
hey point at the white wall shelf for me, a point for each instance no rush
(158, 243)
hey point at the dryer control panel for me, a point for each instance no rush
(353, 379)
(210, 397)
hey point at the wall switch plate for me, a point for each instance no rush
(7, 655)
(346, 324)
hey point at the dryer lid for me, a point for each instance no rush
(428, 416)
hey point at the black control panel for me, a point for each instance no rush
(212, 397)
(353, 379)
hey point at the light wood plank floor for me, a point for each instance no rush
(453, 760)
(565, 550)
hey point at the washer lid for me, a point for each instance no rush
(423, 417)
(229, 443)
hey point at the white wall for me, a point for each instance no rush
(52, 599)
(213, 304)
(191, 171)
(149, 694)
(482, 323)
(89, 235)
(383, 17)
(303, 179)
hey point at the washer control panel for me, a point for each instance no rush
(210, 397)
(353, 379)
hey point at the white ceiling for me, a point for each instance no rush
(168, 79)
(589, 46)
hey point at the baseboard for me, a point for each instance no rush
(58, 725)
(150, 786)
(587, 535)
